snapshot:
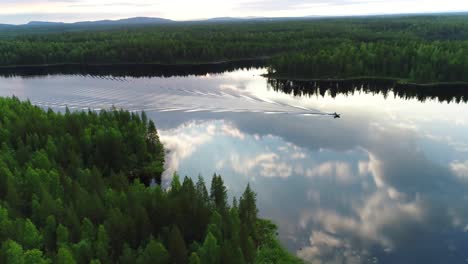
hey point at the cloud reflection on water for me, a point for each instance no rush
(385, 183)
(372, 197)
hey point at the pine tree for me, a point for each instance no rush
(64, 256)
(231, 254)
(63, 237)
(6, 224)
(177, 248)
(31, 237)
(248, 214)
(202, 191)
(83, 251)
(128, 255)
(87, 230)
(209, 252)
(234, 226)
(215, 226)
(218, 194)
(155, 252)
(12, 252)
(194, 259)
(175, 184)
(35, 256)
(49, 234)
(249, 250)
(248, 217)
(102, 244)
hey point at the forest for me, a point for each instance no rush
(83, 187)
(422, 48)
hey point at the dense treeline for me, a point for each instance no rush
(133, 70)
(449, 93)
(164, 44)
(408, 60)
(414, 48)
(75, 188)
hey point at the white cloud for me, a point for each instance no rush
(321, 238)
(363, 167)
(211, 129)
(298, 155)
(184, 140)
(180, 144)
(342, 171)
(379, 221)
(264, 164)
(273, 169)
(375, 166)
(325, 248)
(460, 168)
(232, 131)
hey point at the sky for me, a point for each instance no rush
(23, 11)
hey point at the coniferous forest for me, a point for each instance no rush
(83, 187)
(424, 48)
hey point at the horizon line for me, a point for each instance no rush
(246, 17)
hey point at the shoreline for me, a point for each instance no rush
(397, 81)
(127, 64)
(263, 59)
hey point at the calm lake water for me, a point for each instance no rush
(386, 183)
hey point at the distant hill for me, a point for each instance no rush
(128, 21)
(225, 19)
(242, 19)
(144, 21)
(157, 20)
(44, 23)
(39, 27)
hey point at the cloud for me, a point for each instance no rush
(342, 171)
(321, 238)
(181, 143)
(274, 169)
(460, 169)
(380, 221)
(232, 131)
(298, 155)
(391, 217)
(321, 244)
(264, 164)
(398, 203)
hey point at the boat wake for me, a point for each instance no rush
(183, 94)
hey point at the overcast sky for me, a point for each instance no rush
(22, 11)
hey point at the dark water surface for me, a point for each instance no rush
(386, 183)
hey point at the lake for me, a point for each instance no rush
(385, 183)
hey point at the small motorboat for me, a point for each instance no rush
(335, 115)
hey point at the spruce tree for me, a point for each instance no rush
(177, 248)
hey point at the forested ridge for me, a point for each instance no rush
(432, 48)
(81, 187)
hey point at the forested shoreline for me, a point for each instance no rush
(449, 93)
(422, 49)
(132, 70)
(82, 187)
